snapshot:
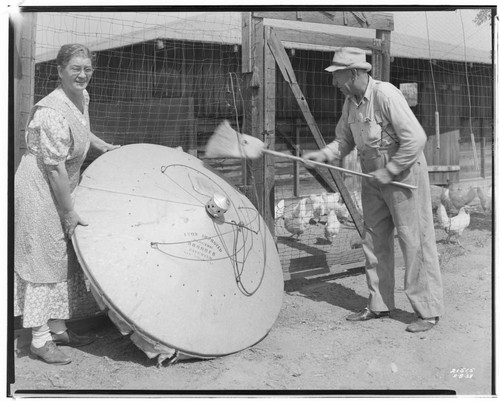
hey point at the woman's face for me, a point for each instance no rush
(75, 76)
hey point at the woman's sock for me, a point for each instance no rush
(40, 335)
(57, 326)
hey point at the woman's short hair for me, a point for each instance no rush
(67, 52)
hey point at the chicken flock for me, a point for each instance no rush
(327, 209)
(451, 205)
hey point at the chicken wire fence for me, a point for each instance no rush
(170, 78)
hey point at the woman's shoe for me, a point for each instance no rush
(50, 353)
(72, 339)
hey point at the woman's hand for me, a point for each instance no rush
(69, 222)
(101, 145)
(106, 147)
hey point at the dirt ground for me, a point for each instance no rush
(312, 349)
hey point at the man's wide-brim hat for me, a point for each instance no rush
(349, 58)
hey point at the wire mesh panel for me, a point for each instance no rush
(170, 78)
(448, 87)
(164, 78)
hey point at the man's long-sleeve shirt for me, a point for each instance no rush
(384, 104)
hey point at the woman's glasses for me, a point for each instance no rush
(74, 70)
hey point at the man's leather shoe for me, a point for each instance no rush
(421, 325)
(72, 339)
(50, 353)
(366, 314)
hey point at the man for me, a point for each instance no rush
(378, 121)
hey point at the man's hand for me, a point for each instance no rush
(317, 156)
(382, 176)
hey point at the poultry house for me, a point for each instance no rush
(332, 227)
(298, 219)
(485, 199)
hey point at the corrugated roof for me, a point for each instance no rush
(225, 28)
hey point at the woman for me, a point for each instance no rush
(47, 277)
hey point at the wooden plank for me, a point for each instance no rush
(286, 68)
(440, 169)
(25, 39)
(385, 37)
(482, 147)
(444, 163)
(326, 39)
(377, 62)
(268, 196)
(374, 20)
(296, 166)
(191, 129)
(246, 42)
(253, 124)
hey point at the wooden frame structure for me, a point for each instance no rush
(262, 50)
(24, 33)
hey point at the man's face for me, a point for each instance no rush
(340, 79)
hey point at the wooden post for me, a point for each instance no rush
(246, 43)
(483, 147)
(24, 88)
(269, 114)
(191, 129)
(385, 67)
(260, 88)
(296, 165)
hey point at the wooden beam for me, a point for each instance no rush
(377, 62)
(385, 37)
(372, 20)
(268, 170)
(442, 169)
(259, 94)
(25, 39)
(246, 42)
(296, 166)
(326, 39)
(286, 69)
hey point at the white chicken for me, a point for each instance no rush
(332, 226)
(298, 219)
(279, 209)
(485, 199)
(453, 226)
(442, 217)
(318, 206)
(330, 199)
(342, 212)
